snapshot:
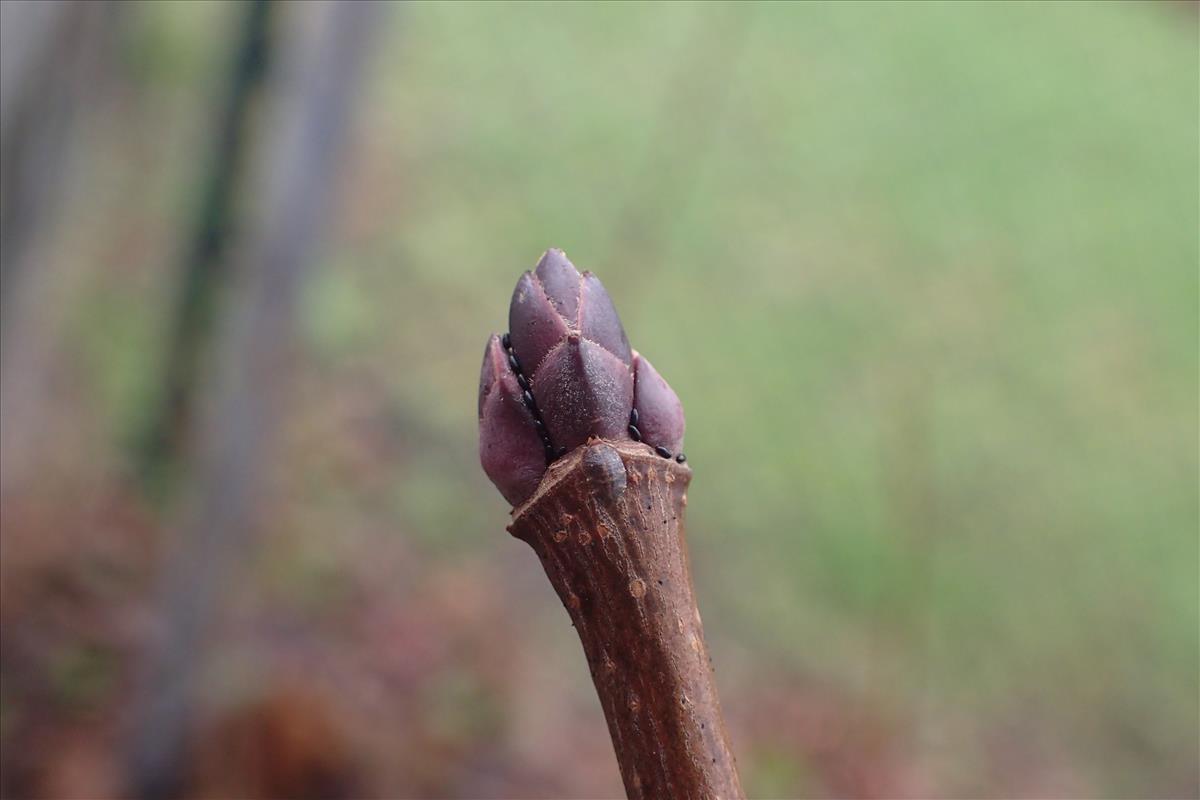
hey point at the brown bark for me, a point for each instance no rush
(607, 523)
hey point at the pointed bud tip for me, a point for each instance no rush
(560, 280)
(599, 321)
(492, 367)
(553, 256)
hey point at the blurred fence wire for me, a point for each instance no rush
(298, 148)
(50, 55)
(205, 270)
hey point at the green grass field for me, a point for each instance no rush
(926, 279)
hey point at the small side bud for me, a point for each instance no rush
(659, 412)
(605, 472)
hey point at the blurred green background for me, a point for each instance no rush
(925, 277)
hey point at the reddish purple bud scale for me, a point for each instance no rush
(598, 320)
(660, 414)
(585, 391)
(509, 447)
(533, 323)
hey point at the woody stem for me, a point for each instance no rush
(607, 523)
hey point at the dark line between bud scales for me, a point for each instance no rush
(527, 398)
(539, 425)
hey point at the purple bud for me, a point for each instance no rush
(583, 390)
(660, 414)
(565, 374)
(509, 447)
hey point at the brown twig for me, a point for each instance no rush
(607, 522)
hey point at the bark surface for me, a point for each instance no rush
(607, 523)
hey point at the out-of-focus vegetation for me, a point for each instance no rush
(925, 277)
